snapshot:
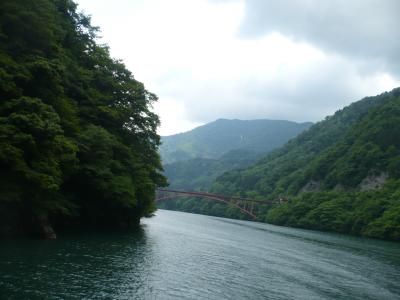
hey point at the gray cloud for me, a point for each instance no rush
(359, 45)
(315, 93)
(360, 29)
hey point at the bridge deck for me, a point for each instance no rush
(245, 205)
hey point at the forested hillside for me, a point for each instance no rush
(245, 143)
(78, 143)
(221, 136)
(340, 175)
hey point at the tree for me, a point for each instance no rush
(78, 138)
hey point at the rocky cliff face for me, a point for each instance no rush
(373, 182)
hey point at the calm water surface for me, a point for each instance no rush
(184, 256)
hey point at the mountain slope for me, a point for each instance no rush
(331, 171)
(221, 136)
(200, 173)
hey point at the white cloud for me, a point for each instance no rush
(190, 54)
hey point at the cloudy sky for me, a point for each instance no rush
(297, 60)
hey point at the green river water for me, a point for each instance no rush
(177, 255)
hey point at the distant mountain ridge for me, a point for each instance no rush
(217, 138)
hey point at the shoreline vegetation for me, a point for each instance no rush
(78, 141)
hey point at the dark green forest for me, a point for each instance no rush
(78, 142)
(340, 175)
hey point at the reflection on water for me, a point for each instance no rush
(183, 256)
(84, 265)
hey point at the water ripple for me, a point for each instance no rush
(183, 256)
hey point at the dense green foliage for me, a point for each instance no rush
(329, 172)
(77, 137)
(218, 138)
(371, 213)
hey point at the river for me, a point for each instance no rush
(178, 255)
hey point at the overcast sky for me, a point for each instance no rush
(297, 60)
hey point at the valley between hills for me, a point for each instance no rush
(341, 174)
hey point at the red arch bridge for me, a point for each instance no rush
(245, 205)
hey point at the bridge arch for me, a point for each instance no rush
(244, 205)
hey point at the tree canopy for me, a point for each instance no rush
(77, 134)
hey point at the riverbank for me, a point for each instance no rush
(17, 222)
